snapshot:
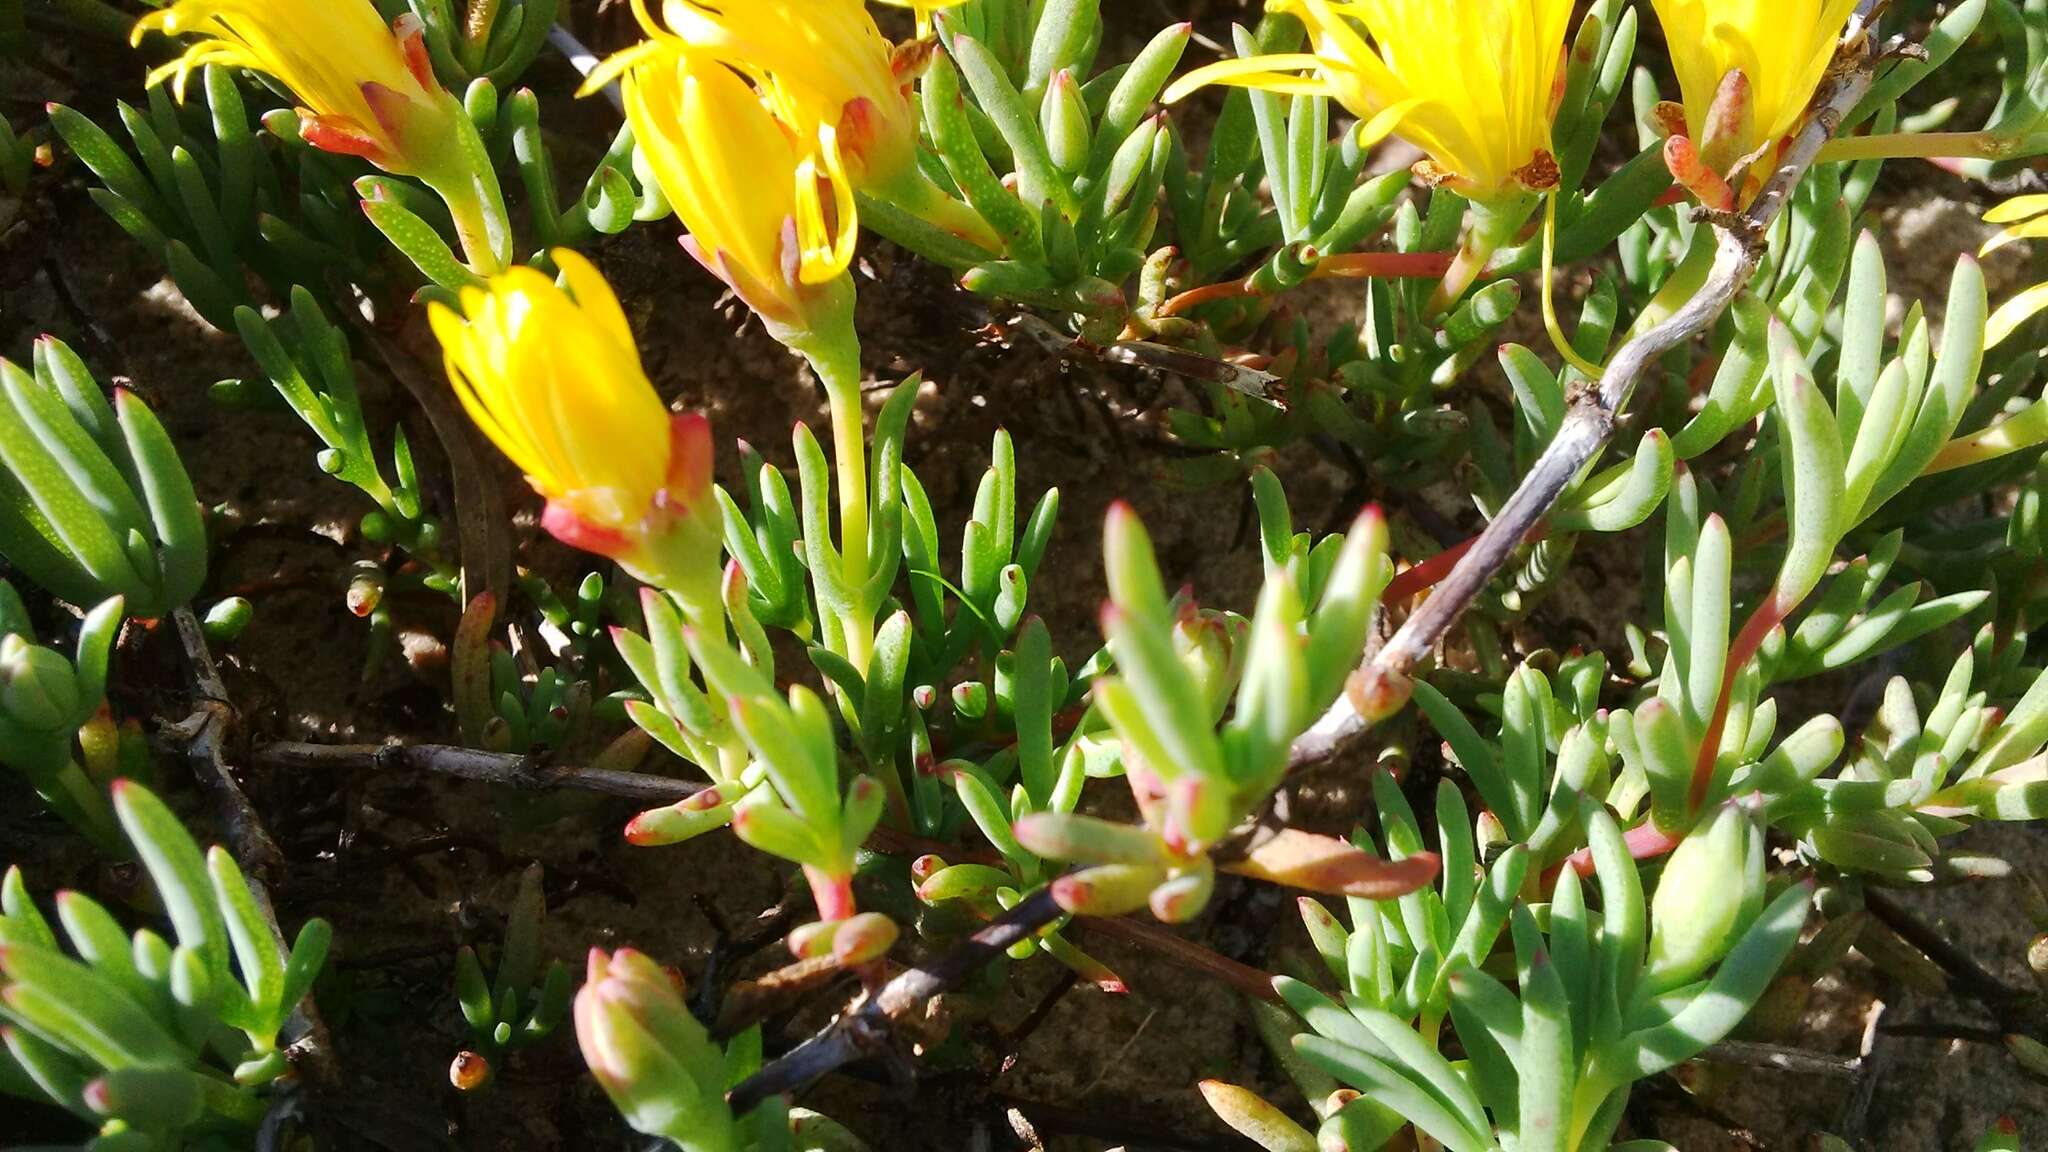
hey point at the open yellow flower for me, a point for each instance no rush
(368, 88)
(1473, 83)
(365, 89)
(741, 183)
(552, 377)
(1748, 69)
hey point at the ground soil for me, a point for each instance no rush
(410, 868)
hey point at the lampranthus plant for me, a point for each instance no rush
(1409, 272)
(159, 1044)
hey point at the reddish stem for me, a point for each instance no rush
(1768, 615)
(1348, 265)
(1206, 294)
(1392, 265)
(1426, 574)
(1645, 841)
(833, 894)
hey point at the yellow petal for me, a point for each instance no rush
(2018, 208)
(1245, 71)
(2013, 313)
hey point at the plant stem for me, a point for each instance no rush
(835, 356)
(1755, 631)
(1921, 145)
(1348, 266)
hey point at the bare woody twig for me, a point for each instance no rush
(262, 864)
(514, 771)
(1383, 685)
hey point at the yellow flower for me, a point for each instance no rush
(1473, 83)
(553, 378)
(740, 182)
(2026, 218)
(820, 68)
(1781, 48)
(924, 10)
(368, 89)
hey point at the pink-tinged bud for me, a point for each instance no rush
(864, 939)
(810, 941)
(689, 817)
(1182, 898)
(651, 1056)
(1107, 890)
(925, 867)
(1377, 693)
(972, 882)
(1691, 172)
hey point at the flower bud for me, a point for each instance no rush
(38, 689)
(652, 1057)
(1064, 119)
(863, 939)
(1697, 911)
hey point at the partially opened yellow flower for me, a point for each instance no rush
(1473, 83)
(365, 89)
(741, 183)
(368, 88)
(552, 377)
(1748, 69)
(822, 70)
(2025, 218)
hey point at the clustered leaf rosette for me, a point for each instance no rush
(1930, 764)
(94, 501)
(157, 1042)
(1177, 673)
(365, 89)
(1747, 72)
(1600, 998)
(553, 377)
(495, 42)
(50, 704)
(1068, 182)
(520, 1004)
